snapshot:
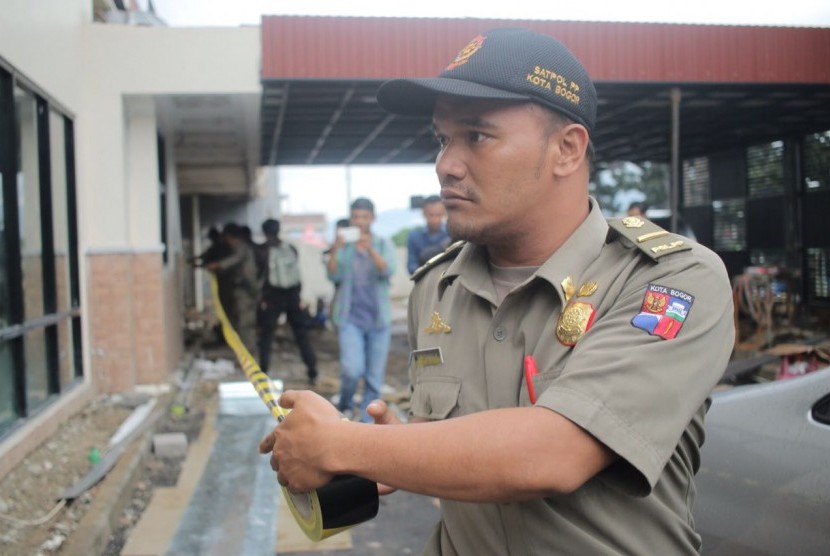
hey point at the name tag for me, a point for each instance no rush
(426, 357)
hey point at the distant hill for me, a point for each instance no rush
(390, 222)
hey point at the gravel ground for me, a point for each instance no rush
(30, 491)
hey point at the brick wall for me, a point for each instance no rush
(111, 321)
(134, 339)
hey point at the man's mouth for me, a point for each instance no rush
(449, 195)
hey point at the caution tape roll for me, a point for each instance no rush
(347, 500)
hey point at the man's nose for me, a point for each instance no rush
(450, 165)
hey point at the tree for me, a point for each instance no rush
(651, 179)
(400, 237)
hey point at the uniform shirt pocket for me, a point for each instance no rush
(435, 397)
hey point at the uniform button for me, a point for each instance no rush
(499, 334)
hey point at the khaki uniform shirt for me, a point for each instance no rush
(645, 334)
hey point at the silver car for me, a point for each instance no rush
(764, 482)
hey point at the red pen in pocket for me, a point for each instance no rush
(530, 371)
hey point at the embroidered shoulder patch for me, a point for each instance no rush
(663, 312)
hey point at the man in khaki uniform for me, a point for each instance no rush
(561, 364)
(239, 268)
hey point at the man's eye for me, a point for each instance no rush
(476, 137)
(441, 140)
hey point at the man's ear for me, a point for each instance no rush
(572, 142)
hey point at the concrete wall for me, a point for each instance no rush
(105, 77)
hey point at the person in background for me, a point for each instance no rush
(239, 268)
(427, 241)
(637, 208)
(362, 269)
(281, 294)
(561, 363)
(218, 250)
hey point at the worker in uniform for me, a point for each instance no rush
(281, 294)
(561, 363)
(239, 269)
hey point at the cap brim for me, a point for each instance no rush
(416, 97)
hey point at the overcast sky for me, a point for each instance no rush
(239, 12)
(311, 189)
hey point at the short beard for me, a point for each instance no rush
(477, 234)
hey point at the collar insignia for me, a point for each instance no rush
(587, 289)
(568, 288)
(437, 326)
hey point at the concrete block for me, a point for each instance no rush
(170, 445)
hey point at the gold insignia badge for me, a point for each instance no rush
(437, 326)
(568, 288)
(574, 322)
(666, 246)
(586, 289)
(462, 57)
(633, 222)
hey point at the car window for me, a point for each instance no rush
(821, 411)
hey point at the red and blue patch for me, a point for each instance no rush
(663, 312)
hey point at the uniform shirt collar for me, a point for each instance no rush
(571, 259)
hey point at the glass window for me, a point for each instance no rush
(60, 210)
(28, 193)
(37, 377)
(66, 354)
(730, 225)
(7, 412)
(765, 169)
(817, 161)
(696, 182)
(818, 274)
(5, 310)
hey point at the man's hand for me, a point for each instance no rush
(298, 445)
(365, 242)
(380, 412)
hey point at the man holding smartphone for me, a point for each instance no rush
(362, 264)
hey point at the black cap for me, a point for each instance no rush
(506, 63)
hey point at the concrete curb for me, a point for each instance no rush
(93, 532)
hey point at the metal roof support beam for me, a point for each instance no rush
(674, 191)
(405, 144)
(275, 138)
(335, 117)
(368, 140)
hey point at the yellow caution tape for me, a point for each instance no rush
(347, 500)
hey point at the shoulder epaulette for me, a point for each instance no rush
(449, 253)
(648, 237)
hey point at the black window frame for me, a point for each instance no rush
(13, 333)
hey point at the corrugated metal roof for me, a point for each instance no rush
(738, 85)
(380, 48)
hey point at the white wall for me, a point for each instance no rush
(141, 172)
(123, 61)
(87, 69)
(105, 77)
(43, 39)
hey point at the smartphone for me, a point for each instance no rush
(350, 234)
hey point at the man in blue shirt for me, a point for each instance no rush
(426, 242)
